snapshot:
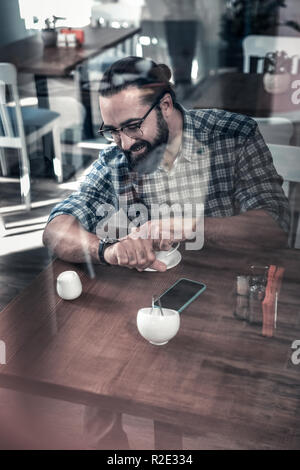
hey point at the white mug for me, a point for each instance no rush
(156, 328)
(68, 285)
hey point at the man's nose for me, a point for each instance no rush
(126, 142)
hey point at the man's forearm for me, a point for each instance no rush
(71, 242)
(249, 230)
(65, 237)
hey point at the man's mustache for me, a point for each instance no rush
(138, 144)
(148, 161)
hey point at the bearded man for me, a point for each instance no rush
(164, 154)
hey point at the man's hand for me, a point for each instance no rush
(133, 252)
(165, 232)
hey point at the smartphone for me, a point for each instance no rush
(181, 294)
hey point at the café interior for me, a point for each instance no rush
(239, 374)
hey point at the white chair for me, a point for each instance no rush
(275, 130)
(72, 114)
(286, 160)
(21, 126)
(259, 46)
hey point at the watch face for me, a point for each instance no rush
(111, 240)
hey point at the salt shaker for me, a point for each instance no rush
(242, 297)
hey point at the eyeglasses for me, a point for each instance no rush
(132, 130)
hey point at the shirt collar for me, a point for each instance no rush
(188, 135)
(188, 138)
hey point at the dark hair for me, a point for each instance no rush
(137, 72)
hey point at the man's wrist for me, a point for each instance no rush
(103, 245)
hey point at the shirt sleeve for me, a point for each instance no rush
(96, 190)
(258, 185)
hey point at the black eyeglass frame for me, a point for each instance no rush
(139, 121)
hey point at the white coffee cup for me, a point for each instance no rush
(156, 328)
(68, 285)
(164, 255)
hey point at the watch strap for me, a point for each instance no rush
(103, 244)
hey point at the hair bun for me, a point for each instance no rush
(162, 72)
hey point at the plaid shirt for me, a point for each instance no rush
(224, 163)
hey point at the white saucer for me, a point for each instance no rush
(171, 261)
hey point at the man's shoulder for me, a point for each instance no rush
(110, 163)
(219, 121)
(110, 156)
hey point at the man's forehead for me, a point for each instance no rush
(131, 96)
(127, 104)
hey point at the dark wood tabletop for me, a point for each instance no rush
(244, 93)
(219, 375)
(29, 54)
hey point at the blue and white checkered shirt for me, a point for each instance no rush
(224, 163)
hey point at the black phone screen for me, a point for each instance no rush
(181, 294)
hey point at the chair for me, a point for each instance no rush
(275, 130)
(21, 126)
(72, 115)
(259, 46)
(286, 160)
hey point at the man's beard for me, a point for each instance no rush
(151, 157)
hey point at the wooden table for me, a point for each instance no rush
(30, 56)
(244, 93)
(218, 377)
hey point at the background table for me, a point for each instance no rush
(218, 377)
(244, 93)
(30, 56)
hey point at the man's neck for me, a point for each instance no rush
(174, 141)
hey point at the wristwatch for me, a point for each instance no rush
(103, 244)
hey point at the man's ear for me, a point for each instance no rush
(166, 105)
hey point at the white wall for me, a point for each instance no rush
(77, 12)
